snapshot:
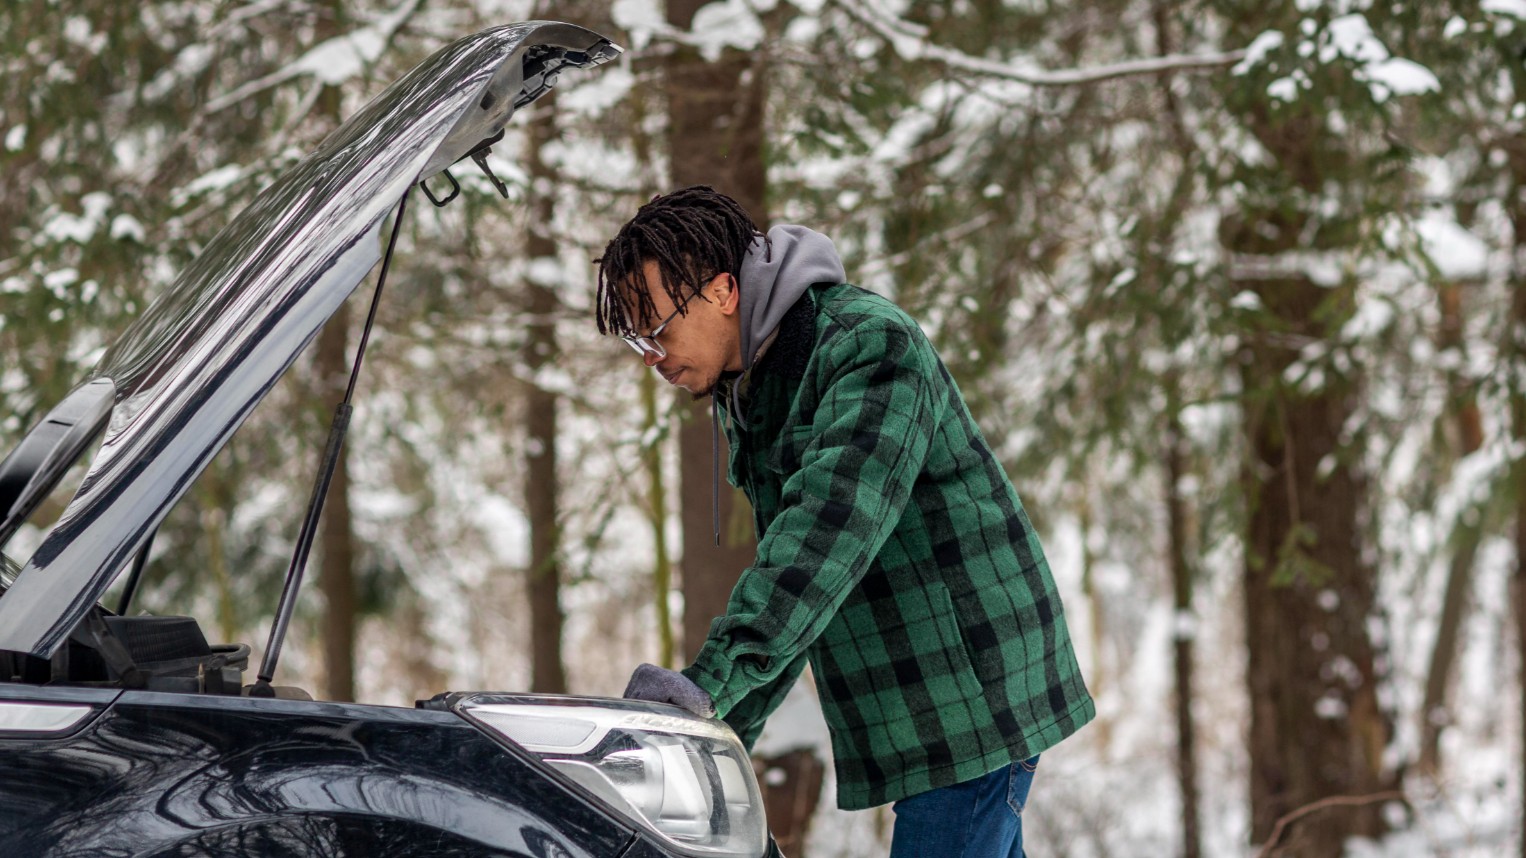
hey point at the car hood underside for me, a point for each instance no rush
(183, 377)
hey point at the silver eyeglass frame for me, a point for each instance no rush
(648, 345)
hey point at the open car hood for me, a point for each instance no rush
(172, 390)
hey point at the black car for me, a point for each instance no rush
(132, 735)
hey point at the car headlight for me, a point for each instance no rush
(686, 779)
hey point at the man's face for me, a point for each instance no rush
(703, 341)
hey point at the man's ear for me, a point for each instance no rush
(726, 293)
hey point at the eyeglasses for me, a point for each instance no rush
(648, 344)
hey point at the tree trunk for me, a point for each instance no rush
(336, 534)
(657, 517)
(1518, 598)
(1454, 605)
(1181, 588)
(1317, 729)
(715, 137)
(547, 673)
(1516, 349)
(791, 787)
(1098, 677)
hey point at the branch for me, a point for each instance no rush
(910, 42)
(954, 233)
(1312, 807)
(320, 59)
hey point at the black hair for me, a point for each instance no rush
(692, 234)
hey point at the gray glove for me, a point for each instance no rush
(660, 685)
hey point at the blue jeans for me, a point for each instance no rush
(980, 818)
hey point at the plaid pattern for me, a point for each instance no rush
(894, 556)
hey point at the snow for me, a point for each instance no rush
(640, 18)
(1437, 175)
(796, 724)
(333, 61)
(1351, 36)
(546, 271)
(904, 135)
(126, 227)
(336, 60)
(1457, 253)
(216, 179)
(1398, 76)
(1283, 89)
(1330, 708)
(82, 227)
(1348, 36)
(1324, 268)
(58, 282)
(1328, 600)
(721, 25)
(78, 31)
(1109, 790)
(1185, 625)
(68, 227)
(189, 62)
(556, 379)
(1513, 8)
(803, 30)
(1373, 316)
(383, 503)
(595, 94)
(1472, 482)
(1246, 300)
(1122, 279)
(1256, 51)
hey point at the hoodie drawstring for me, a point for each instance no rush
(715, 467)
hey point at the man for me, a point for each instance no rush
(893, 553)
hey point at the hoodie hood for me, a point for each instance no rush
(775, 274)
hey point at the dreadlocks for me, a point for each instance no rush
(692, 234)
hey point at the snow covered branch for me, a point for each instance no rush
(332, 62)
(910, 41)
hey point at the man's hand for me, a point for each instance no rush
(660, 685)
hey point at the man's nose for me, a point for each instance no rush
(652, 358)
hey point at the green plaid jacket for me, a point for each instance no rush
(894, 555)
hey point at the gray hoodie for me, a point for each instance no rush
(773, 276)
(773, 280)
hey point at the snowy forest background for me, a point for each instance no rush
(1234, 288)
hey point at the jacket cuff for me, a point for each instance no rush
(712, 671)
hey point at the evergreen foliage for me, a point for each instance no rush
(1117, 270)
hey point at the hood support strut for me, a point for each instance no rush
(329, 464)
(138, 562)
